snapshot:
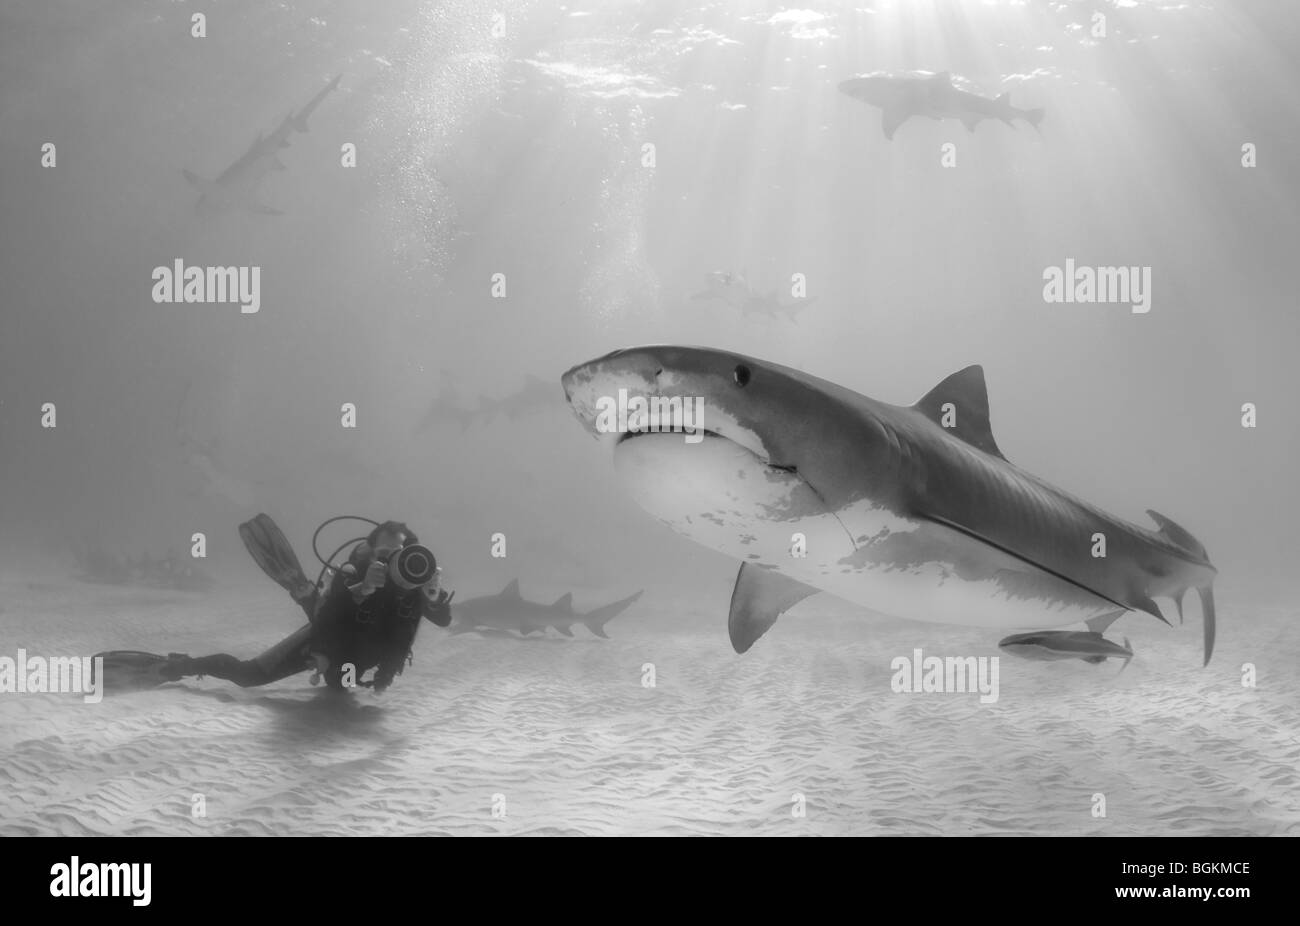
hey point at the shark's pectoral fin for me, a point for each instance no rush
(759, 598)
(1100, 624)
(261, 209)
(892, 118)
(970, 121)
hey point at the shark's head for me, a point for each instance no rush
(876, 89)
(757, 442)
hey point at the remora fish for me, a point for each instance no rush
(236, 186)
(510, 611)
(933, 96)
(1051, 645)
(895, 511)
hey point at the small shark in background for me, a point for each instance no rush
(534, 396)
(1055, 645)
(932, 96)
(734, 289)
(509, 611)
(448, 406)
(236, 187)
(216, 481)
(200, 456)
(910, 510)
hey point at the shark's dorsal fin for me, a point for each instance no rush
(564, 602)
(968, 419)
(759, 598)
(511, 590)
(1004, 98)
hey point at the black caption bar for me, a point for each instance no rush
(332, 877)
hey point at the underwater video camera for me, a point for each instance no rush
(410, 567)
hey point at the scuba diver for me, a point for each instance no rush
(363, 615)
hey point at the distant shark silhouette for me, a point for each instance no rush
(734, 289)
(236, 186)
(932, 96)
(201, 457)
(509, 611)
(534, 396)
(448, 406)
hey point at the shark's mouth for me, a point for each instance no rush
(714, 474)
(707, 433)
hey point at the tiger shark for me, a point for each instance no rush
(931, 95)
(236, 186)
(912, 511)
(508, 610)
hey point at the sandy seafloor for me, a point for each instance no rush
(565, 730)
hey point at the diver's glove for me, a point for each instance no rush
(374, 579)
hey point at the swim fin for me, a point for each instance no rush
(133, 670)
(270, 549)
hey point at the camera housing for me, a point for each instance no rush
(412, 567)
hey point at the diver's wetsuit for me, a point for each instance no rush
(378, 632)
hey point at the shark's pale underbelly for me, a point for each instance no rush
(723, 497)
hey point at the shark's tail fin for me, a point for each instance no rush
(1127, 659)
(597, 619)
(1207, 612)
(1182, 538)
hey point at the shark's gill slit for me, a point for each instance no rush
(794, 471)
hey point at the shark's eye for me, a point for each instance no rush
(741, 375)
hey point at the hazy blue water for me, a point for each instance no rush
(524, 154)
